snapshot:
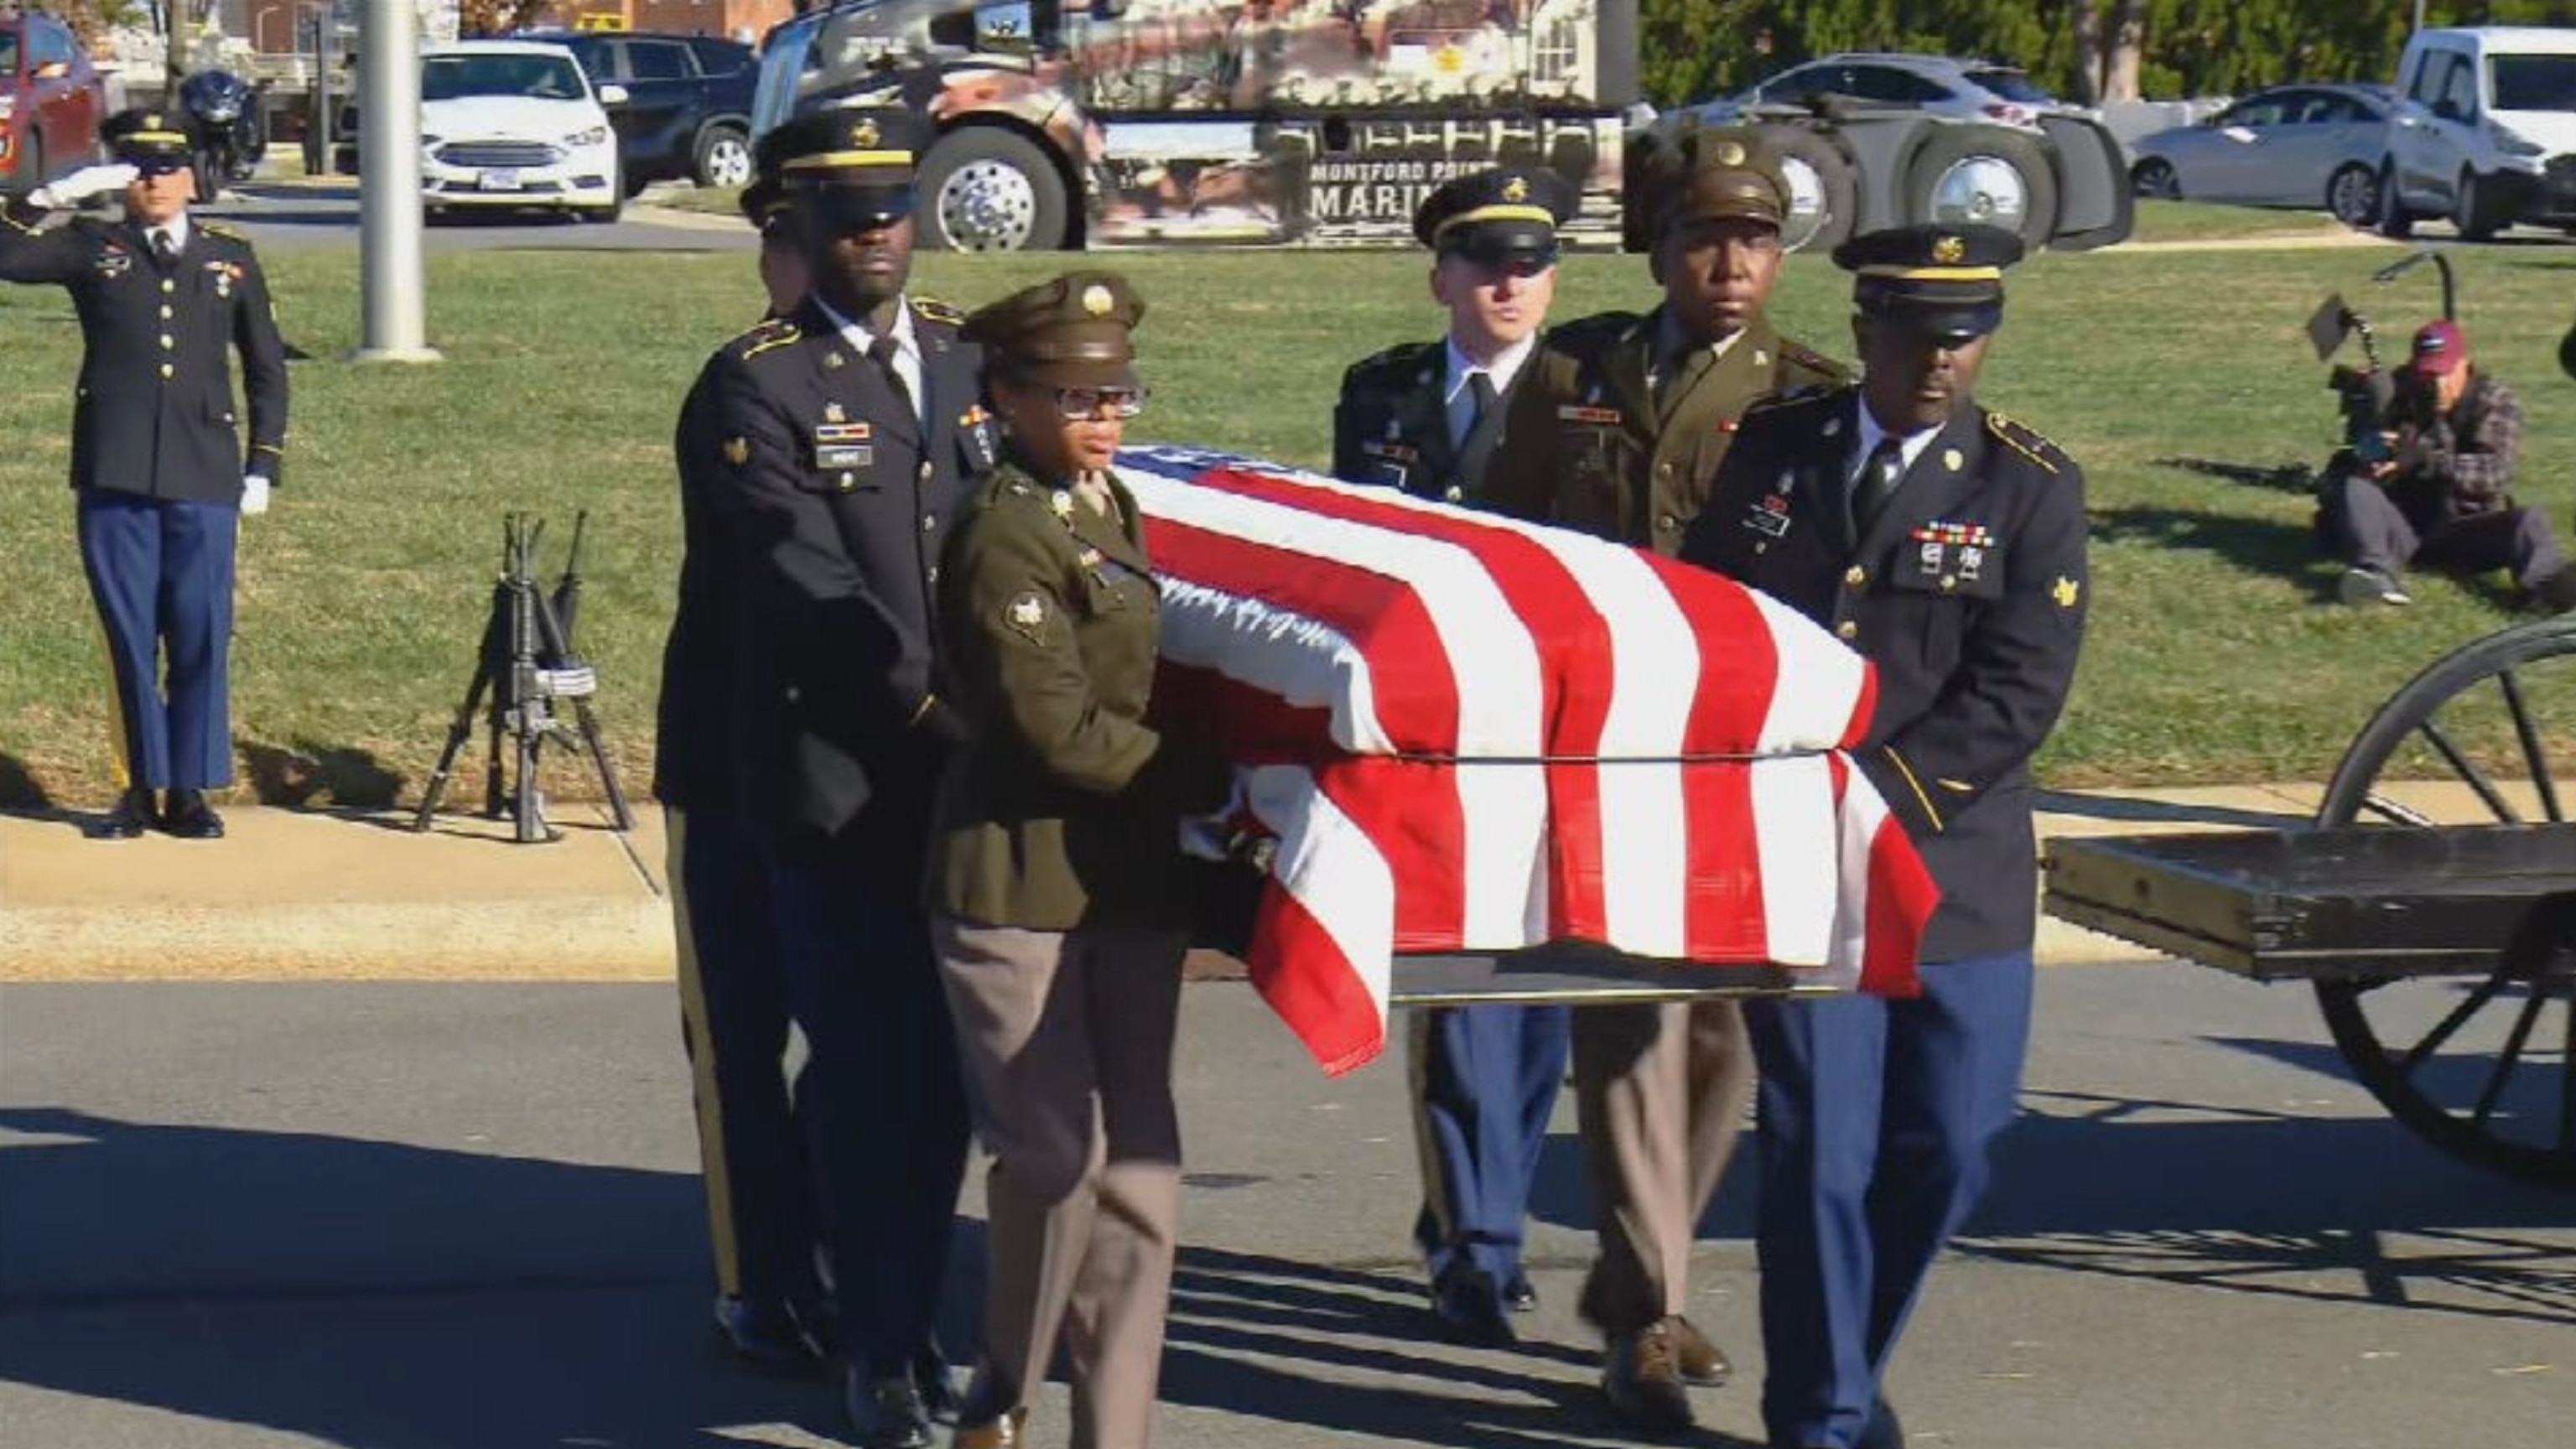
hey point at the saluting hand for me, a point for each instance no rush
(83, 184)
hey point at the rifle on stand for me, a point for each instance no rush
(526, 663)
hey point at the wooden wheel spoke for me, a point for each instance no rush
(2477, 999)
(2469, 773)
(2509, 1058)
(2535, 759)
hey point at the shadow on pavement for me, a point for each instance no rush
(19, 788)
(368, 1293)
(302, 774)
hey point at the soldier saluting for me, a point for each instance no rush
(158, 466)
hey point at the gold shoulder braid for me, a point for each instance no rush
(763, 336)
(938, 311)
(2021, 439)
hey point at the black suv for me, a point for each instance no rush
(688, 104)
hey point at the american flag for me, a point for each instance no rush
(1475, 734)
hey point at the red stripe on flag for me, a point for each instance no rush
(1723, 919)
(1409, 811)
(1739, 665)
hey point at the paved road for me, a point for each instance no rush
(461, 1217)
(323, 214)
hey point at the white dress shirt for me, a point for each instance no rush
(176, 228)
(1867, 438)
(1460, 399)
(907, 355)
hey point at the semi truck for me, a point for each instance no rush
(1065, 124)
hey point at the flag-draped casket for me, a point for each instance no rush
(1474, 734)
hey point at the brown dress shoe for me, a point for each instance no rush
(1702, 1362)
(1642, 1378)
(1001, 1433)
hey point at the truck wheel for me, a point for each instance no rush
(1824, 190)
(2395, 221)
(984, 189)
(724, 157)
(1978, 175)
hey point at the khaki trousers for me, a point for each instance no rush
(1066, 1040)
(1660, 1094)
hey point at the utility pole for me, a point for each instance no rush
(389, 255)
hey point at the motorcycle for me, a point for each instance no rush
(227, 128)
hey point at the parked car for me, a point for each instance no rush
(51, 101)
(687, 112)
(516, 123)
(2295, 145)
(1967, 90)
(2485, 131)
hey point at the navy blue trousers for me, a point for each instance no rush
(1485, 1080)
(733, 1020)
(161, 573)
(882, 1096)
(1876, 1117)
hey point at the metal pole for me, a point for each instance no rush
(389, 268)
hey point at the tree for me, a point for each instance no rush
(498, 17)
(2110, 49)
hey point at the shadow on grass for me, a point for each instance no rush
(2266, 546)
(2279, 477)
(305, 774)
(20, 790)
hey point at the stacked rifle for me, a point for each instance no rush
(524, 673)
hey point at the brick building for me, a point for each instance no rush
(745, 20)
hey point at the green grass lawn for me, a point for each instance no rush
(2213, 655)
(2181, 221)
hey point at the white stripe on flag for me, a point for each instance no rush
(1818, 683)
(1795, 820)
(1291, 657)
(1333, 869)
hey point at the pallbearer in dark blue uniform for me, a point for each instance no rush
(1425, 417)
(733, 996)
(158, 464)
(1945, 542)
(850, 434)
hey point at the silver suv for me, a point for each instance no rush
(1967, 90)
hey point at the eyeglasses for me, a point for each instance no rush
(1081, 404)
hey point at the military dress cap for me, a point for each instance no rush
(1074, 331)
(1497, 214)
(1711, 173)
(150, 141)
(1947, 281)
(854, 164)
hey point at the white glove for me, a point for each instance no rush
(254, 494)
(1234, 832)
(81, 185)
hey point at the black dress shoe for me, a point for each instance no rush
(1520, 1295)
(1470, 1309)
(132, 815)
(936, 1385)
(1882, 1431)
(885, 1410)
(189, 817)
(764, 1333)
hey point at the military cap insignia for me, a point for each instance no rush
(1949, 250)
(863, 136)
(1730, 153)
(152, 122)
(1097, 301)
(1516, 189)
(2065, 592)
(737, 451)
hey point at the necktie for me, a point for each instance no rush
(163, 248)
(1674, 381)
(882, 351)
(1876, 484)
(1480, 401)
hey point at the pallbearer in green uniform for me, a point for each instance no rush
(1058, 892)
(1618, 430)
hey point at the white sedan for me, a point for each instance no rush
(512, 123)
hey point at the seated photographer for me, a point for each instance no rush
(2438, 491)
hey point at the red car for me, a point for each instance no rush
(51, 101)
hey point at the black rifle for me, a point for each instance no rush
(524, 664)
